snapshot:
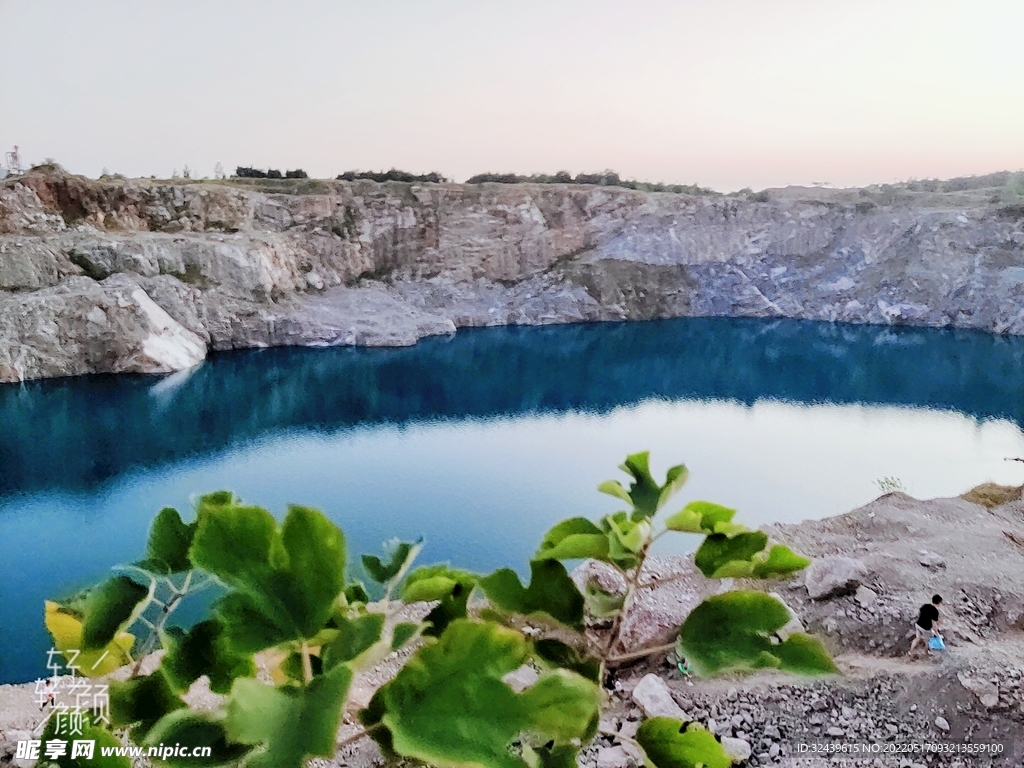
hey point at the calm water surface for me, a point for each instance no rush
(481, 441)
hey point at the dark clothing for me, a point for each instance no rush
(927, 615)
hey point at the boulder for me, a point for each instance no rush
(830, 576)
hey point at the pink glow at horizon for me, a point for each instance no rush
(728, 94)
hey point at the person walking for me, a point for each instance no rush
(927, 624)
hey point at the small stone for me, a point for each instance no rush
(941, 723)
(931, 560)
(865, 596)
(835, 731)
(653, 696)
(772, 732)
(619, 756)
(521, 679)
(738, 750)
(773, 751)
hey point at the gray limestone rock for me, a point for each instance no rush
(830, 576)
(738, 750)
(387, 264)
(652, 695)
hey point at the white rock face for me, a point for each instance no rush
(655, 699)
(829, 576)
(170, 346)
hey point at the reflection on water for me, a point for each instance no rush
(479, 442)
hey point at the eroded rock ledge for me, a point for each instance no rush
(145, 276)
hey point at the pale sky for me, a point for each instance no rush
(724, 93)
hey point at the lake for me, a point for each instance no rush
(481, 441)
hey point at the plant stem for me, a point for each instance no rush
(632, 582)
(357, 736)
(641, 653)
(622, 738)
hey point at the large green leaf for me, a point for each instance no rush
(448, 706)
(108, 608)
(675, 479)
(551, 592)
(643, 491)
(551, 756)
(205, 650)
(737, 630)
(601, 604)
(669, 743)
(403, 633)
(66, 630)
(631, 536)
(804, 654)
(781, 561)
(554, 653)
(449, 587)
(92, 730)
(169, 542)
(287, 725)
(286, 581)
(701, 517)
(195, 729)
(646, 496)
(356, 593)
(355, 637)
(625, 539)
(561, 706)
(142, 701)
(574, 539)
(718, 553)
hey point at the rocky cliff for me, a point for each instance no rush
(137, 275)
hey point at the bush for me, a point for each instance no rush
(496, 178)
(392, 175)
(285, 594)
(605, 179)
(298, 173)
(245, 172)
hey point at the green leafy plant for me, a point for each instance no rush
(287, 603)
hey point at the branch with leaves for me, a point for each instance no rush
(286, 595)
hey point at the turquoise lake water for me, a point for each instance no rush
(481, 441)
